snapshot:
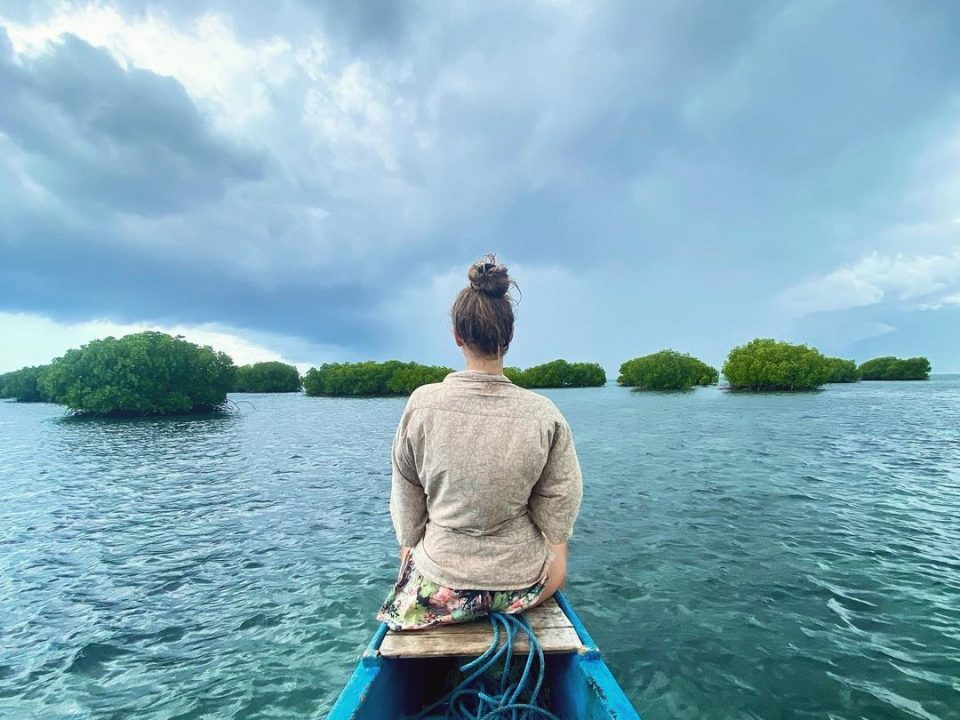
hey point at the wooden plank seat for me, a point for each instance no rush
(551, 626)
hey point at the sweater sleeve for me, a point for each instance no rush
(408, 501)
(555, 500)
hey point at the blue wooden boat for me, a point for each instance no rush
(579, 685)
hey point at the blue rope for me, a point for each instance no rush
(478, 697)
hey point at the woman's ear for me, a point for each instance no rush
(456, 338)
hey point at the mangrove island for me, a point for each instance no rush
(892, 368)
(839, 370)
(153, 373)
(24, 385)
(666, 370)
(371, 378)
(267, 377)
(147, 373)
(766, 364)
(558, 374)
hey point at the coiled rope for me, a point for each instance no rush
(481, 696)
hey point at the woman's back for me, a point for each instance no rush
(486, 484)
(483, 470)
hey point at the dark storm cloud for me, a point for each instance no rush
(368, 22)
(128, 140)
(682, 156)
(662, 125)
(73, 274)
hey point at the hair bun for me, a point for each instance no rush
(488, 277)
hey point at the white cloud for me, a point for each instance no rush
(232, 78)
(348, 110)
(346, 105)
(942, 302)
(839, 290)
(326, 118)
(872, 280)
(35, 340)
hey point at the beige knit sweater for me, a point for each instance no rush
(482, 471)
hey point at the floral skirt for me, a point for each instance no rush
(416, 603)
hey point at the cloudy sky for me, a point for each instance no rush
(309, 180)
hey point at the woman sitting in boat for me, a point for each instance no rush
(486, 482)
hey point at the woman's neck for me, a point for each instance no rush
(489, 365)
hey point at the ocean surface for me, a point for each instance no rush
(737, 556)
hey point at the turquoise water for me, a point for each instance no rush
(738, 556)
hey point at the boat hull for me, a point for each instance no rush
(580, 685)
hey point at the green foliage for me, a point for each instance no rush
(891, 368)
(841, 371)
(267, 377)
(371, 378)
(766, 364)
(515, 375)
(558, 374)
(666, 370)
(148, 373)
(24, 385)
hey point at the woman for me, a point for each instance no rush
(486, 483)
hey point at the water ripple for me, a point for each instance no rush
(737, 556)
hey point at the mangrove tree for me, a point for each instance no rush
(666, 370)
(23, 385)
(766, 364)
(841, 371)
(892, 368)
(558, 374)
(267, 377)
(371, 378)
(147, 373)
